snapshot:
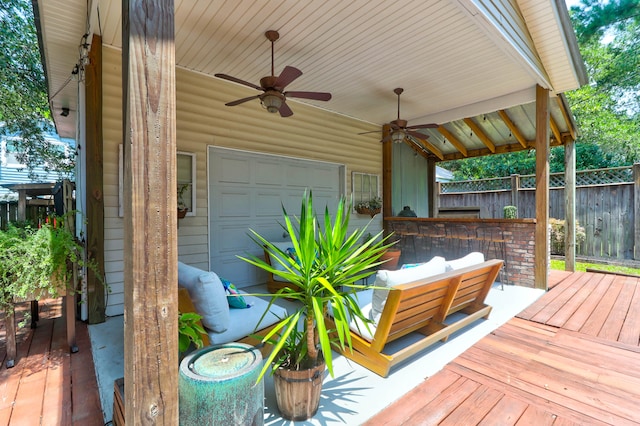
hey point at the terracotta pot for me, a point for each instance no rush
(393, 256)
(182, 213)
(298, 392)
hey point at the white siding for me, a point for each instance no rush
(203, 120)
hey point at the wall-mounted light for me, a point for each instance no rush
(65, 112)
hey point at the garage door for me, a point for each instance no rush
(247, 191)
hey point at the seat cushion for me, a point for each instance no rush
(244, 322)
(471, 259)
(286, 247)
(207, 294)
(387, 279)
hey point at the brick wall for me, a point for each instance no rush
(420, 239)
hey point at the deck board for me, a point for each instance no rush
(48, 385)
(572, 358)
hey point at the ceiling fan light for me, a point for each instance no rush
(272, 102)
(397, 136)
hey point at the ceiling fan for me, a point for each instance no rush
(273, 98)
(399, 129)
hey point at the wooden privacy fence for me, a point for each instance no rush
(607, 205)
(9, 212)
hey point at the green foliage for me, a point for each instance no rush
(24, 110)
(36, 262)
(510, 212)
(327, 265)
(582, 267)
(558, 234)
(189, 331)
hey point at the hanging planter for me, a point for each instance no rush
(371, 207)
(182, 213)
(368, 211)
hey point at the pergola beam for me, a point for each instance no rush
(453, 140)
(515, 131)
(480, 134)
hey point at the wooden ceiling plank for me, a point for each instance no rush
(501, 149)
(453, 140)
(480, 134)
(514, 129)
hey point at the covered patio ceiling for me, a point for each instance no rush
(470, 66)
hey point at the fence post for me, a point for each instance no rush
(515, 191)
(636, 211)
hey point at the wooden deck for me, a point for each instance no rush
(573, 357)
(48, 385)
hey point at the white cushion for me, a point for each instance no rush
(473, 258)
(388, 279)
(245, 321)
(207, 294)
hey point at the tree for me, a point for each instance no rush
(24, 110)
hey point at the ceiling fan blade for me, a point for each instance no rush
(241, 101)
(424, 126)
(386, 138)
(366, 133)
(285, 111)
(418, 135)
(287, 75)
(237, 80)
(318, 96)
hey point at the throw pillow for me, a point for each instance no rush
(207, 294)
(233, 297)
(473, 258)
(388, 279)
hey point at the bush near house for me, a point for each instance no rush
(557, 236)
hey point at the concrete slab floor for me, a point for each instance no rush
(354, 394)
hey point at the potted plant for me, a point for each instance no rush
(326, 265)
(371, 207)
(190, 332)
(182, 206)
(35, 262)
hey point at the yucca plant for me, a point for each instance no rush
(325, 267)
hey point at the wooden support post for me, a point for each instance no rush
(515, 191)
(432, 194)
(636, 207)
(94, 184)
(150, 238)
(542, 250)
(387, 193)
(570, 205)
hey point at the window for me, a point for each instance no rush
(186, 170)
(365, 187)
(186, 181)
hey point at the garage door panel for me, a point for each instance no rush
(233, 170)
(236, 203)
(268, 204)
(324, 179)
(269, 173)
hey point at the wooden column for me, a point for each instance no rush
(432, 194)
(570, 205)
(387, 161)
(94, 173)
(150, 239)
(542, 250)
(636, 207)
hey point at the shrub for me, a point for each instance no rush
(557, 236)
(510, 212)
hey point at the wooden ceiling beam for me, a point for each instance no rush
(480, 134)
(502, 149)
(424, 145)
(554, 129)
(454, 141)
(514, 129)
